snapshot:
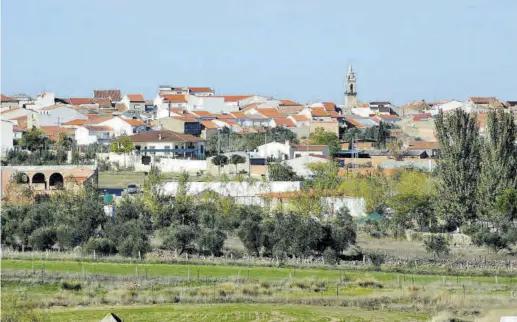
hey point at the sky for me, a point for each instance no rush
(401, 50)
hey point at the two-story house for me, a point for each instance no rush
(134, 102)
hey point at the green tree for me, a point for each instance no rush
(278, 171)
(34, 140)
(211, 241)
(180, 238)
(383, 135)
(250, 235)
(343, 231)
(498, 161)
(458, 168)
(436, 245)
(237, 159)
(122, 145)
(506, 204)
(220, 160)
(322, 137)
(153, 191)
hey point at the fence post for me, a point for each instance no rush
(337, 290)
(496, 282)
(198, 274)
(214, 290)
(136, 270)
(188, 274)
(83, 271)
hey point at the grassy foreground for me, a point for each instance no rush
(233, 312)
(218, 271)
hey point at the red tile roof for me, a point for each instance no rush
(173, 98)
(288, 102)
(134, 122)
(482, 100)
(52, 132)
(329, 106)
(136, 97)
(388, 116)
(164, 136)
(239, 115)
(177, 110)
(103, 128)
(224, 116)
(209, 124)
(300, 118)
(9, 110)
(4, 98)
(200, 89)
(112, 94)
(355, 123)
(202, 114)
(250, 106)
(290, 110)
(234, 98)
(269, 112)
(334, 114)
(319, 112)
(284, 122)
(311, 148)
(423, 145)
(77, 122)
(79, 100)
(103, 102)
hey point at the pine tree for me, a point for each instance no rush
(458, 168)
(498, 161)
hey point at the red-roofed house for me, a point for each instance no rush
(8, 102)
(80, 101)
(269, 113)
(134, 102)
(300, 119)
(201, 91)
(204, 115)
(165, 102)
(283, 122)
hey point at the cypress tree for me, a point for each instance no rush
(458, 168)
(498, 161)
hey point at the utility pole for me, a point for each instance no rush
(265, 155)
(218, 150)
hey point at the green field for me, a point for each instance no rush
(253, 272)
(234, 312)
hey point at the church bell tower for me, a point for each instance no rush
(350, 89)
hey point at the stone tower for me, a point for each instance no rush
(350, 89)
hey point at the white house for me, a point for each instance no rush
(301, 165)
(448, 106)
(277, 150)
(88, 134)
(43, 100)
(134, 102)
(121, 126)
(213, 104)
(56, 115)
(7, 136)
(168, 144)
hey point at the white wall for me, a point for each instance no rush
(235, 189)
(275, 149)
(364, 112)
(7, 136)
(119, 126)
(207, 103)
(59, 115)
(83, 137)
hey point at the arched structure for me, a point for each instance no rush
(56, 181)
(39, 178)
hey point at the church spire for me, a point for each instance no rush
(350, 88)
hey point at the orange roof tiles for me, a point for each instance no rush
(103, 128)
(238, 115)
(423, 145)
(9, 110)
(329, 106)
(202, 114)
(288, 102)
(200, 89)
(209, 124)
(290, 109)
(300, 118)
(53, 132)
(234, 98)
(388, 116)
(4, 98)
(177, 110)
(482, 100)
(173, 98)
(250, 106)
(355, 123)
(77, 122)
(79, 101)
(136, 97)
(98, 120)
(163, 136)
(334, 114)
(134, 122)
(284, 122)
(224, 116)
(319, 112)
(269, 112)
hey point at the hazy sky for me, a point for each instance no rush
(401, 49)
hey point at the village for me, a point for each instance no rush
(183, 129)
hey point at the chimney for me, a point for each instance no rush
(159, 136)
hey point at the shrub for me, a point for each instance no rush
(437, 245)
(377, 259)
(368, 282)
(330, 256)
(71, 285)
(101, 246)
(43, 238)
